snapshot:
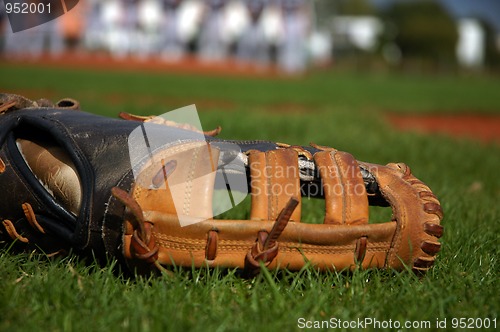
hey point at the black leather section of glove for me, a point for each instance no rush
(98, 146)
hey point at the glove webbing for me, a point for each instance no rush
(275, 188)
(275, 180)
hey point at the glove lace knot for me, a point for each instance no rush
(143, 243)
(266, 247)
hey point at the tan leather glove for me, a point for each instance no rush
(75, 184)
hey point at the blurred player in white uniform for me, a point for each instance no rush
(94, 32)
(117, 17)
(130, 25)
(172, 45)
(292, 51)
(213, 44)
(253, 46)
(147, 35)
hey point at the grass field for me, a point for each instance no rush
(339, 109)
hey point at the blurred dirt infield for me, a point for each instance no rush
(485, 128)
(188, 65)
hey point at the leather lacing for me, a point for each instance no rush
(266, 246)
(212, 244)
(145, 248)
(30, 216)
(143, 241)
(431, 206)
(12, 102)
(12, 231)
(360, 252)
(159, 120)
(5, 106)
(301, 151)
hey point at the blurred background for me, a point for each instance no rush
(289, 36)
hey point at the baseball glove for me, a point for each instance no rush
(145, 191)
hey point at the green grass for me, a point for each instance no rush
(337, 109)
(393, 92)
